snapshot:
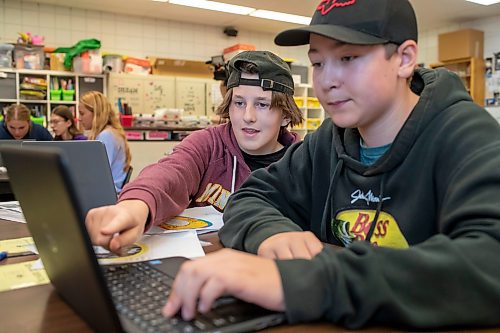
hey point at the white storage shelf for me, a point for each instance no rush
(311, 109)
(10, 87)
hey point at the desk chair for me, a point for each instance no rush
(127, 177)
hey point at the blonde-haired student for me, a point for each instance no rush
(98, 116)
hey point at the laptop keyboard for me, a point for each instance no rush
(139, 292)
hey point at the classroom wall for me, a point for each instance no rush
(143, 36)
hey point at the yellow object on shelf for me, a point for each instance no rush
(313, 123)
(313, 102)
(299, 101)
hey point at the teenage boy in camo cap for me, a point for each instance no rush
(404, 177)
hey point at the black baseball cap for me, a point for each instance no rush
(364, 22)
(274, 72)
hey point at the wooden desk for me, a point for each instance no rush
(40, 309)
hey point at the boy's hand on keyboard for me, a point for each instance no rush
(227, 272)
(117, 226)
(291, 245)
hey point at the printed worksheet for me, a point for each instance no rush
(11, 211)
(151, 247)
(202, 219)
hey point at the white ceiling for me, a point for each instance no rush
(431, 14)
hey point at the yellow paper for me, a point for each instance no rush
(20, 275)
(17, 245)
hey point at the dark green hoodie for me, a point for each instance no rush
(432, 259)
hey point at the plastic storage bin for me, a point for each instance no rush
(6, 55)
(112, 63)
(89, 62)
(29, 57)
(38, 120)
(68, 95)
(299, 101)
(137, 66)
(55, 94)
(57, 61)
(313, 103)
(126, 120)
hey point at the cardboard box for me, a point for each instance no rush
(178, 67)
(460, 44)
(233, 50)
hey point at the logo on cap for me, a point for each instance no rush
(326, 5)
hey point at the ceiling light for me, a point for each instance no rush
(213, 5)
(484, 2)
(277, 16)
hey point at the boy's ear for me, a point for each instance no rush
(285, 122)
(408, 52)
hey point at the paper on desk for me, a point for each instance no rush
(20, 275)
(150, 247)
(201, 219)
(11, 210)
(17, 245)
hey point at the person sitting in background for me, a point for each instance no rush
(98, 116)
(17, 125)
(63, 124)
(210, 164)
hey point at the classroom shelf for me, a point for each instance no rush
(10, 89)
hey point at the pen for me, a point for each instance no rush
(5, 254)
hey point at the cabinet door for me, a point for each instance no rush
(8, 86)
(89, 83)
(190, 96)
(130, 89)
(159, 93)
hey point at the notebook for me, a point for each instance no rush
(88, 161)
(55, 217)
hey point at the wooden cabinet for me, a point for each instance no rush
(471, 72)
(146, 93)
(42, 90)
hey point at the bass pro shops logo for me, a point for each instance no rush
(353, 225)
(326, 5)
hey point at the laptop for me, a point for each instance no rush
(9, 143)
(89, 163)
(52, 208)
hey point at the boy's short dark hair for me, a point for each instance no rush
(362, 22)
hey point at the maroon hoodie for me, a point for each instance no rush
(199, 172)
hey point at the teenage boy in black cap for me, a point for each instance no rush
(405, 177)
(208, 165)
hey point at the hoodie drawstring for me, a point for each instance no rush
(329, 199)
(233, 180)
(377, 212)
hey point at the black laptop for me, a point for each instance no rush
(110, 298)
(89, 163)
(9, 143)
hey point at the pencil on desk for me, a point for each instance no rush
(5, 254)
